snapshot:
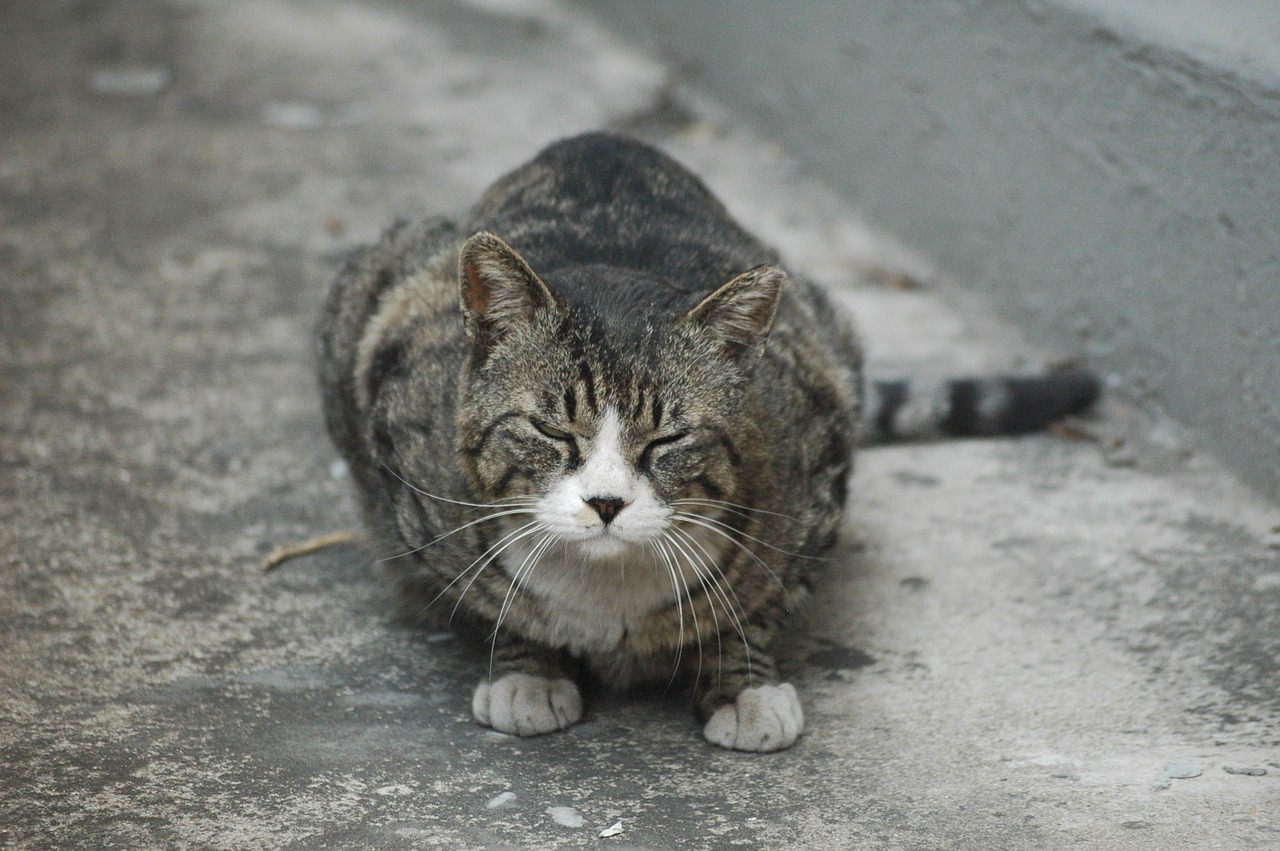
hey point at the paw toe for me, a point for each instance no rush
(762, 719)
(526, 704)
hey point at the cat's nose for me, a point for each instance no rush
(606, 506)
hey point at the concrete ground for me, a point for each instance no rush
(1036, 643)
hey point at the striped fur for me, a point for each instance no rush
(597, 425)
(901, 410)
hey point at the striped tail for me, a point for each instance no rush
(974, 407)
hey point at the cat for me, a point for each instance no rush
(598, 425)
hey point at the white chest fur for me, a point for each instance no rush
(590, 602)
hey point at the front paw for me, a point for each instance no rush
(526, 704)
(762, 719)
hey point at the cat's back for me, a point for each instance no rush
(604, 200)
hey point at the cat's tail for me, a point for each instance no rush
(900, 410)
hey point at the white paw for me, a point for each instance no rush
(762, 719)
(526, 705)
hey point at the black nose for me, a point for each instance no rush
(606, 506)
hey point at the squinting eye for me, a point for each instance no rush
(658, 443)
(663, 441)
(551, 431)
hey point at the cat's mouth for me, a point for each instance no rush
(605, 527)
(610, 540)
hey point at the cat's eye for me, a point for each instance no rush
(657, 443)
(551, 431)
(665, 439)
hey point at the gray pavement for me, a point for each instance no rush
(1035, 643)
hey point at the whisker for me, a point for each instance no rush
(527, 566)
(741, 514)
(701, 521)
(499, 545)
(489, 556)
(655, 546)
(721, 584)
(676, 539)
(484, 519)
(720, 503)
(506, 501)
(715, 580)
(517, 578)
(677, 566)
(711, 571)
(439, 538)
(682, 548)
(697, 521)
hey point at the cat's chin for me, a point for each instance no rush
(605, 547)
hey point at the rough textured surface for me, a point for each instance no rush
(1017, 644)
(1238, 36)
(1101, 169)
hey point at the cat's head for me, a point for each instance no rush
(606, 420)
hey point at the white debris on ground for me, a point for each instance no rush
(129, 81)
(566, 816)
(500, 800)
(394, 789)
(1176, 771)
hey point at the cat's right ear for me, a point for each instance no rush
(498, 292)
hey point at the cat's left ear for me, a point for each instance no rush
(740, 314)
(497, 289)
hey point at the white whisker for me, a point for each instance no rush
(487, 557)
(658, 549)
(711, 571)
(467, 525)
(681, 584)
(720, 503)
(726, 510)
(698, 521)
(675, 537)
(492, 554)
(703, 521)
(719, 586)
(527, 566)
(505, 502)
(488, 552)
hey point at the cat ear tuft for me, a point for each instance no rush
(740, 313)
(497, 289)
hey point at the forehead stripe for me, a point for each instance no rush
(570, 404)
(589, 384)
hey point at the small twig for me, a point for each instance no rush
(1073, 428)
(288, 552)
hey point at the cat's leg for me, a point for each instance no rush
(740, 701)
(528, 693)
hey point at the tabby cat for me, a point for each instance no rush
(600, 427)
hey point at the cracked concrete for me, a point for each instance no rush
(1017, 643)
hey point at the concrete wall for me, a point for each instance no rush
(1107, 172)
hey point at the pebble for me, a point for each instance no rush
(1249, 772)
